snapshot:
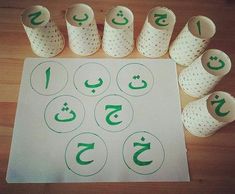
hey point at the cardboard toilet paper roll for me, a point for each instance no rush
(45, 38)
(207, 115)
(192, 40)
(204, 73)
(83, 34)
(155, 35)
(118, 37)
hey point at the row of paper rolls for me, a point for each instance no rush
(205, 68)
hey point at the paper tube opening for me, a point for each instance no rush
(79, 15)
(35, 16)
(202, 27)
(221, 106)
(161, 18)
(216, 62)
(120, 17)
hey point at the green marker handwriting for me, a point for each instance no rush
(93, 85)
(34, 16)
(48, 75)
(125, 20)
(86, 146)
(137, 77)
(80, 20)
(116, 108)
(145, 146)
(215, 58)
(219, 103)
(199, 27)
(161, 19)
(65, 109)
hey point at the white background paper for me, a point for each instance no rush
(38, 153)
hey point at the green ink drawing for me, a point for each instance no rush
(161, 19)
(125, 20)
(86, 146)
(215, 58)
(81, 20)
(218, 107)
(66, 109)
(34, 16)
(199, 27)
(137, 77)
(116, 108)
(145, 146)
(93, 85)
(48, 75)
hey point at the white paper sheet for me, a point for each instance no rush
(98, 120)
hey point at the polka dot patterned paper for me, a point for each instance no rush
(206, 116)
(45, 38)
(204, 73)
(198, 121)
(83, 34)
(118, 37)
(155, 35)
(192, 40)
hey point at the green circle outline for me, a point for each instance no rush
(122, 98)
(72, 129)
(52, 93)
(155, 138)
(109, 75)
(102, 165)
(142, 66)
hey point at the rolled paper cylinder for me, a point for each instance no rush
(204, 73)
(192, 40)
(45, 38)
(155, 35)
(83, 34)
(118, 36)
(207, 115)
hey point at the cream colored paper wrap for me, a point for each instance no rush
(207, 115)
(204, 73)
(45, 38)
(192, 40)
(118, 36)
(155, 35)
(83, 34)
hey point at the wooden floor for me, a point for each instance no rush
(211, 160)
